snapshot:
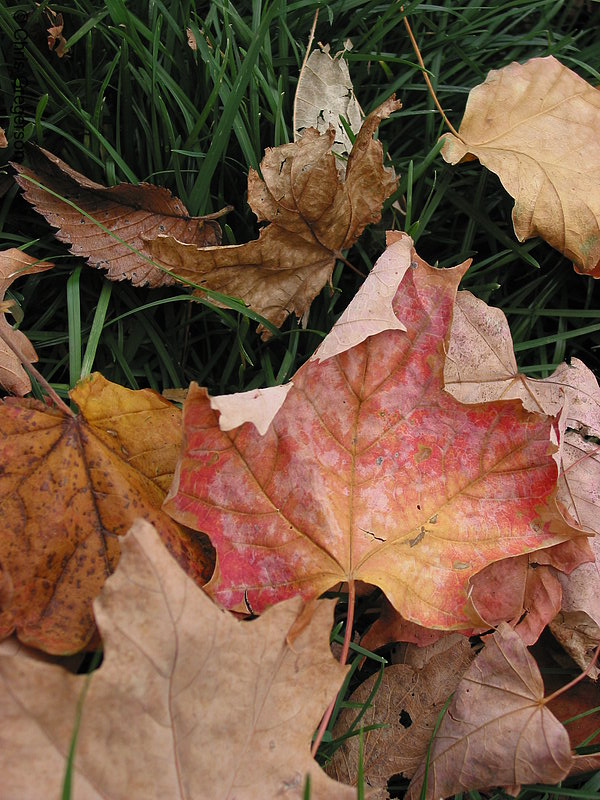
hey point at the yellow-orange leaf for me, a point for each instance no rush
(69, 488)
(536, 126)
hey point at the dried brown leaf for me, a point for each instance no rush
(312, 214)
(13, 264)
(189, 702)
(70, 488)
(497, 730)
(536, 126)
(408, 702)
(125, 215)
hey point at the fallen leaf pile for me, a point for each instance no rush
(407, 454)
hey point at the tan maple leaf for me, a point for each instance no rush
(536, 126)
(13, 264)
(106, 225)
(70, 487)
(407, 705)
(497, 730)
(188, 703)
(312, 214)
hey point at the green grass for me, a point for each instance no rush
(132, 102)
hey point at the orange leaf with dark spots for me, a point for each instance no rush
(69, 488)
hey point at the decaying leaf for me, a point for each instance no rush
(3, 139)
(312, 214)
(189, 702)
(497, 730)
(323, 95)
(124, 216)
(13, 264)
(70, 487)
(408, 703)
(536, 126)
(370, 471)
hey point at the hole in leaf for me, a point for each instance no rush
(397, 786)
(405, 719)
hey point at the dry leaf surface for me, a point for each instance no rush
(496, 731)
(13, 264)
(312, 214)
(126, 216)
(370, 471)
(323, 95)
(536, 126)
(214, 708)
(70, 487)
(408, 702)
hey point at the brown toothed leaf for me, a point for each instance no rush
(497, 730)
(536, 126)
(13, 264)
(407, 704)
(188, 703)
(70, 487)
(126, 214)
(312, 214)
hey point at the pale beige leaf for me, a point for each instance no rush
(408, 702)
(496, 731)
(188, 703)
(13, 264)
(370, 310)
(536, 126)
(257, 406)
(323, 95)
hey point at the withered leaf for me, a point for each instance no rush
(70, 487)
(536, 126)
(125, 214)
(323, 95)
(408, 703)
(312, 214)
(497, 730)
(13, 264)
(188, 703)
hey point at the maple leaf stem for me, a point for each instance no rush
(415, 46)
(38, 376)
(345, 261)
(343, 659)
(575, 681)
